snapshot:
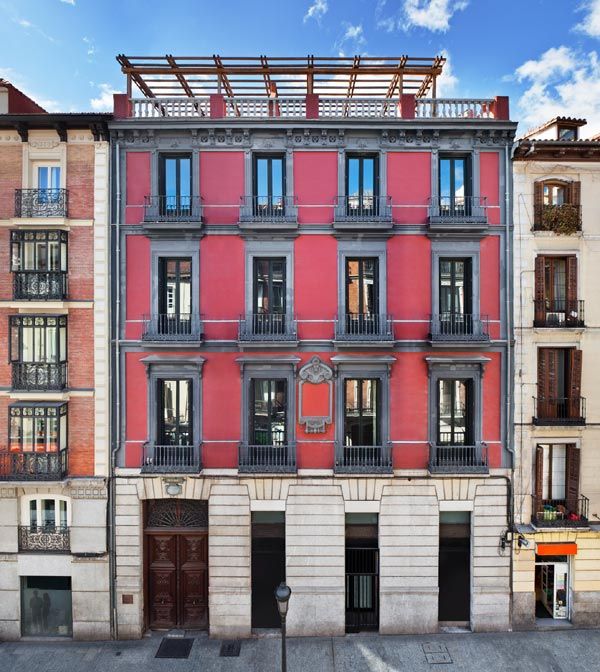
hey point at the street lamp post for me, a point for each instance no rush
(282, 595)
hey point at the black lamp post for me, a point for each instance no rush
(282, 595)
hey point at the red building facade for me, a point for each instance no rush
(312, 355)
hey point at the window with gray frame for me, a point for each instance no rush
(455, 189)
(362, 185)
(455, 412)
(268, 188)
(361, 412)
(175, 185)
(175, 295)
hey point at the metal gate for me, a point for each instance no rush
(362, 589)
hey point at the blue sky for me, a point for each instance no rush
(543, 53)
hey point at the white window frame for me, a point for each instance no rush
(25, 506)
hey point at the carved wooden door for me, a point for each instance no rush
(193, 580)
(162, 580)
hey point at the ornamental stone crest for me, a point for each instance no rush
(315, 401)
(315, 371)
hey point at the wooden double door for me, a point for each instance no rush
(176, 576)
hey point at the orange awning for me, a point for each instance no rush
(568, 548)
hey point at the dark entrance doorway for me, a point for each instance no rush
(362, 572)
(455, 567)
(176, 552)
(268, 566)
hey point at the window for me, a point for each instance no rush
(556, 302)
(362, 286)
(269, 185)
(175, 412)
(46, 606)
(567, 132)
(268, 420)
(175, 296)
(361, 412)
(269, 285)
(38, 339)
(40, 428)
(557, 206)
(455, 186)
(559, 383)
(175, 190)
(38, 250)
(455, 412)
(554, 194)
(557, 476)
(456, 296)
(362, 184)
(47, 514)
(48, 184)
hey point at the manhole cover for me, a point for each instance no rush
(174, 648)
(437, 654)
(230, 648)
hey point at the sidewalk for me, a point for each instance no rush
(564, 651)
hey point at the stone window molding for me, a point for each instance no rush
(277, 148)
(350, 249)
(271, 248)
(366, 145)
(469, 368)
(173, 368)
(269, 368)
(38, 497)
(159, 249)
(455, 249)
(463, 151)
(155, 170)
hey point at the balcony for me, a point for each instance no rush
(44, 539)
(39, 376)
(160, 459)
(458, 214)
(363, 459)
(32, 203)
(261, 329)
(39, 285)
(273, 459)
(562, 219)
(173, 213)
(462, 328)
(559, 411)
(21, 466)
(364, 329)
(458, 459)
(169, 328)
(560, 512)
(259, 213)
(371, 213)
(559, 314)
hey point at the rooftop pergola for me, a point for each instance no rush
(268, 77)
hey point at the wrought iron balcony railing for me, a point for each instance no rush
(364, 327)
(44, 539)
(161, 459)
(458, 209)
(268, 210)
(363, 459)
(458, 459)
(39, 376)
(559, 411)
(564, 219)
(461, 327)
(559, 313)
(39, 285)
(172, 209)
(567, 512)
(41, 202)
(267, 459)
(170, 327)
(26, 466)
(354, 210)
(267, 327)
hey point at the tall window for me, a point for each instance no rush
(362, 286)
(38, 339)
(38, 428)
(455, 412)
(559, 383)
(454, 186)
(268, 419)
(175, 176)
(362, 184)
(556, 302)
(269, 286)
(456, 302)
(269, 185)
(175, 295)
(362, 426)
(175, 412)
(557, 468)
(48, 183)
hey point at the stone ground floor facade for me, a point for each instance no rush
(54, 566)
(315, 512)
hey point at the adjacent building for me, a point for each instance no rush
(557, 400)
(311, 266)
(54, 405)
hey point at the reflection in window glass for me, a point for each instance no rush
(175, 427)
(361, 412)
(46, 606)
(269, 412)
(454, 412)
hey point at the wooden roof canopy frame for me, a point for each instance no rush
(261, 76)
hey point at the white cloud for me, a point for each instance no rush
(561, 82)
(316, 11)
(354, 33)
(29, 25)
(49, 104)
(432, 15)
(447, 82)
(91, 47)
(69, 2)
(104, 101)
(591, 21)
(353, 36)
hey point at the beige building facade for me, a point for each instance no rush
(556, 546)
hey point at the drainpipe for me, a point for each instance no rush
(117, 390)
